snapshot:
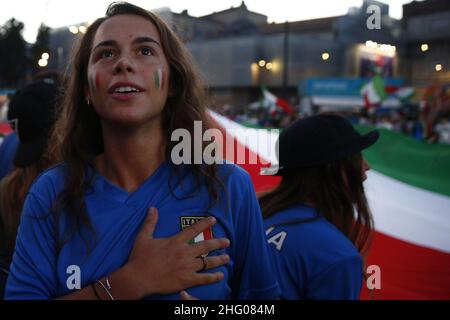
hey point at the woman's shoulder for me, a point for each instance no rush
(50, 182)
(330, 239)
(235, 178)
(44, 191)
(311, 234)
(230, 171)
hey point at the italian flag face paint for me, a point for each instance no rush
(158, 76)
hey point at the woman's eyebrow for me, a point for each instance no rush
(145, 39)
(107, 43)
(113, 43)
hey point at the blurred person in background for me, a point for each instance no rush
(317, 221)
(32, 112)
(442, 129)
(10, 143)
(8, 149)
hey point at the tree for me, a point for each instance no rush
(40, 46)
(13, 52)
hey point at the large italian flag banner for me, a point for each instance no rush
(408, 190)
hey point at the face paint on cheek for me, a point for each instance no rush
(158, 76)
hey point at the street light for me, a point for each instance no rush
(438, 67)
(42, 63)
(73, 29)
(45, 56)
(371, 44)
(262, 63)
(325, 56)
(424, 47)
(269, 66)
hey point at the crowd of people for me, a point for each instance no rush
(411, 119)
(412, 122)
(260, 117)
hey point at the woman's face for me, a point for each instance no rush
(128, 73)
(365, 166)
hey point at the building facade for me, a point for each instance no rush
(238, 51)
(426, 41)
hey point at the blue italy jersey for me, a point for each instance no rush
(313, 259)
(38, 271)
(7, 152)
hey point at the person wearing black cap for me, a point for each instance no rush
(32, 114)
(9, 145)
(8, 149)
(317, 221)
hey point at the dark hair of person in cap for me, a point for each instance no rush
(321, 165)
(32, 113)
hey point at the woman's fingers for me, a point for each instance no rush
(191, 232)
(204, 247)
(212, 262)
(206, 278)
(150, 223)
(186, 296)
(175, 263)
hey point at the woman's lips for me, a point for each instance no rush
(124, 96)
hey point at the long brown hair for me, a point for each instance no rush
(335, 190)
(14, 188)
(78, 135)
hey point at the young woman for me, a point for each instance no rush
(317, 220)
(85, 232)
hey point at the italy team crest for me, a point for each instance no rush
(189, 221)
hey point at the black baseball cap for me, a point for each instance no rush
(317, 140)
(31, 113)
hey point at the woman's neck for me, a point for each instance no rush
(130, 156)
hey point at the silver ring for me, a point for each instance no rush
(205, 263)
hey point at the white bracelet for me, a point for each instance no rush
(106, 288)
(107, 283)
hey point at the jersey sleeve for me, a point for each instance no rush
(33, 269)
(341, 281)
(253, 276)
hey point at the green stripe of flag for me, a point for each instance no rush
(426, 166)
(414, 162)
